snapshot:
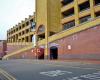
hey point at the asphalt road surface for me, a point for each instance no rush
(48, 70)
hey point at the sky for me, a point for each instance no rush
(12, 12)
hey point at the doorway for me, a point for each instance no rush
(53, 53)
(40, 53)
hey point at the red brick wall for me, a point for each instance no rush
(29, 54)
(84, 45)
(13, 48)
(24, 55)
(3, 48)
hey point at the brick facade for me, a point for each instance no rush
(3, 48)
(82, 45)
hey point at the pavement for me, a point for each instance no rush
(26, 69)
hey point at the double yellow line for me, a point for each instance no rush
(6, 75)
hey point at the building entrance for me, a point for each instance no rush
(40, 53)
(53, 53)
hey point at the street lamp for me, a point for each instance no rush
(34, 42)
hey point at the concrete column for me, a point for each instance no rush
(46, 42)
(18, 38)
(92, 9)
(21, 39)
(29, 38)
(10, 40)
(76, 12)
(15, 38)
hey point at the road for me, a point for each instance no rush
(48, 70)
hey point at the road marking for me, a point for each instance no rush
(93, 76)
(55, 73)
(6, 75)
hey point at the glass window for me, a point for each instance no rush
(65, 2)
(84, 6)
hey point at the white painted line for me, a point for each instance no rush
(55, 73)
(6, 75)
(93, 76)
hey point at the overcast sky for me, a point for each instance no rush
(12, 12)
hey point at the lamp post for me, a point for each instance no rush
(34, 42)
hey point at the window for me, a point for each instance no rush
(27, 30)
(69, 25)
(23, 25)
(27, 23)
(97, 14)
(40, 37)
(68, 12)
(19, 34)
(97, 2)
(19, 27)
(16, 29)
(84, 6)
(65, 2)
(31, 20)
(23, 32)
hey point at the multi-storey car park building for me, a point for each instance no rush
(22, 32)
(20, 36)
(66, 29)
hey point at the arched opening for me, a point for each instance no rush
(53, 53)
(41, 32)
(41, 29)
